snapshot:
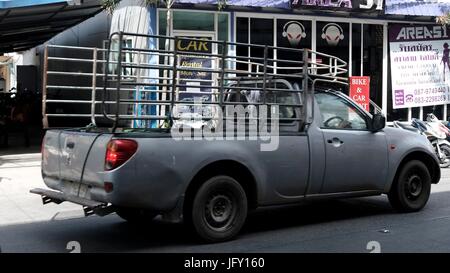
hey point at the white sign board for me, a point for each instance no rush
(420, 65)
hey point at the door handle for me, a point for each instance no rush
(70, 145)
(335, 141)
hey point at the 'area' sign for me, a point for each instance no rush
(360, 90)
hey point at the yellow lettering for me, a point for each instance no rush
(180, 47)
(193, 46)
(202, 46)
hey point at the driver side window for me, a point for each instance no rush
(338, 114)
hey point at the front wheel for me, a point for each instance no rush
(218, 210)
(445, 161)
(411, 191)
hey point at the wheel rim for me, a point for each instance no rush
(413, 187)
(220, 211)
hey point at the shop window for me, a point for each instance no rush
(127, 58)
(198, 21)
(373, 59)
(292, 34)
(356, 50)
(188, 20)
(333, 38)
(222, 27)
(242, 34)
(222, 31)
(162, 22)
(437, 110)
(261, 33)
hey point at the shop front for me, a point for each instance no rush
(362, 43)
(357, 31)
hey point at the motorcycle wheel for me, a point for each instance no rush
(446, 151)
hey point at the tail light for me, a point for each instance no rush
(118, 152)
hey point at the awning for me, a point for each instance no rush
(27, 23)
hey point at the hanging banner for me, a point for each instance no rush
(420, 65)
(360, 91)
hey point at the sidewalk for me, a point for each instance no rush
(18, 174)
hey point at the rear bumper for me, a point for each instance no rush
(89, 206)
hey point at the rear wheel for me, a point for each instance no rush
(134, 215)
(411, 191)
(218, 210)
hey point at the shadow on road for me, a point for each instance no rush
(301, 222)
(316, 213)
(112, 234)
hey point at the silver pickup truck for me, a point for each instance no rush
(323, 146)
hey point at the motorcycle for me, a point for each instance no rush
(439, 125)
(434, 133)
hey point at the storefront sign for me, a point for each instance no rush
(191, 78)
(420, 65)
(360, 91)
(195, 82)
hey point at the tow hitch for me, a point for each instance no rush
(90, 207)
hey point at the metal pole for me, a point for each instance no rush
(138, 92)
(309, 100)
(174, 79)
(44, 89)
(119, 77)
(94, 85)
(222, 72)
(265, 73)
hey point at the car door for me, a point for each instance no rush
(356, 158)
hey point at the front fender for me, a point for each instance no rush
(423, 155)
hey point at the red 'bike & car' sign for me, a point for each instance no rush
(360, 90)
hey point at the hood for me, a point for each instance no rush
(408, 140)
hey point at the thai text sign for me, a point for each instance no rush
(420, 65)
(360, 91)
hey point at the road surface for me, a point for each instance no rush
(352, 225)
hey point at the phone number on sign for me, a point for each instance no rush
(430, 99)
(426, 91)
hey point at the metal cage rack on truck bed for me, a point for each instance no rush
(149, 81)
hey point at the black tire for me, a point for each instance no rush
(218, 209)
(446, 151)
(411, 191)
(134, 215)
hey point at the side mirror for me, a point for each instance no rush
(378, 122)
